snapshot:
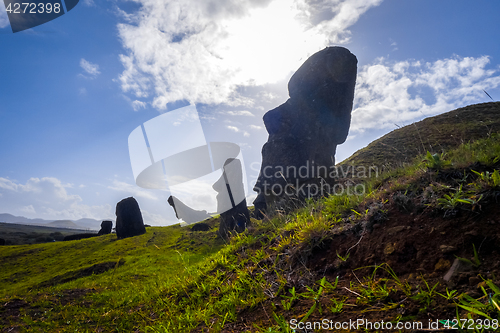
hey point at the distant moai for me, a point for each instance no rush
(106, 227)
(231, 202)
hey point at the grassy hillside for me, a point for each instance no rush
(416, 246)
(96, 282)
(435, 134)
(19, 234)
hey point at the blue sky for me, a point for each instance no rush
(73, 89)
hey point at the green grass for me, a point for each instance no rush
(437, 134)
(151, 263)
(19, 234)
(173, 280)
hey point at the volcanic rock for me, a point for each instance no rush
(298, 160)
(106, 227)
(231, 202)
(129, 221)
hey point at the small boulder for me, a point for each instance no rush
(106, 227)
(129, 221)
(200, 227)
(447, 249)
(458, 266)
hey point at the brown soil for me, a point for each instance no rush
(417, 242)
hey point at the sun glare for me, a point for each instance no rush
(269, 43)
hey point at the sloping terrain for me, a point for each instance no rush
(98, 281)
(435, 134)
(415, 249)
(420, 247)
(19, 234)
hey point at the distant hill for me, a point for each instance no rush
(18, 234)
(63, 224)
(83, 223)
(435, 134)
(90, 223)
(9, 218)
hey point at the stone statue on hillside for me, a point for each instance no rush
(129, 221)
(298, 159)
(106, 227)
(186, 213)
(231, 202)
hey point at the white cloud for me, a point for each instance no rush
(402, 92)
(240, 113)
(50, 199)
(90, 68)
(137, 105)
(233, 128)
(89, 3)
(198, 193)
(345, 14)
(154, 219)
(30, 210)
(237, 130)
(202, 51)
(132, 190)
(394, 44)
(47, 198)
(255, 127)
(4, 19)
(127, 17)
(7, 184)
